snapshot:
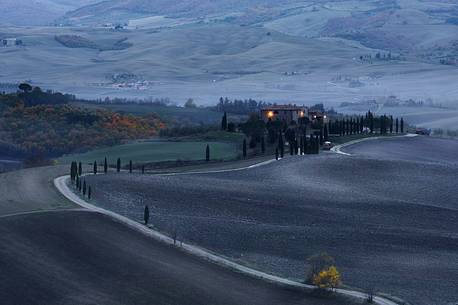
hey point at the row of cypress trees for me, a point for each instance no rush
(76, 171)
(357, 125)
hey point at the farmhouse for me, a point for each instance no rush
(10, 42)
(284, 113)
(289, 114)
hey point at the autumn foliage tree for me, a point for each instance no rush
(318, 262)
(328, 278)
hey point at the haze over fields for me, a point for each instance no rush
(279, 51)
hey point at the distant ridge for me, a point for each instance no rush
(180, 8)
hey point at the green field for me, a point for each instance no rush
(156, 151)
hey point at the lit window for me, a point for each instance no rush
(270, 114)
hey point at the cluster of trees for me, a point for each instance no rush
(236, 106)
(368, 123)
(297, 135)
(32, 96)
(49, 130)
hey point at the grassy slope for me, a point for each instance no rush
(31, 190)
(156, 151)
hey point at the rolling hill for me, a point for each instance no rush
(36, 12)
(288, 51)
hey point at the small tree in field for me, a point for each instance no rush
(328, 278)
(130, 166)
(146, 215)
(118, 165)
(105, 166)
(84, 187)
(95, 167)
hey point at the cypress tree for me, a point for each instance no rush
(105, 165)
(130, 166)
(146, 215)
(326, 132)
(391, 124)
(118, 165)
(77, 184)
(73, 171)
(143, 169)
(95, 167)
(306, 150)
(89, 193)
(321, 136)
(402, 125)
(317, 145)
(301, 145)
(207, 153)
(276, 153)
(371, 122)
(80, 169)
(224, 122)
(244, 148)
(84, 187)
(397, 125)
(263, 145)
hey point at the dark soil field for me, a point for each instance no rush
(54, 253)
(389, 220)
(84, 258)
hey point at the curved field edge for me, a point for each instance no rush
(61, 183)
